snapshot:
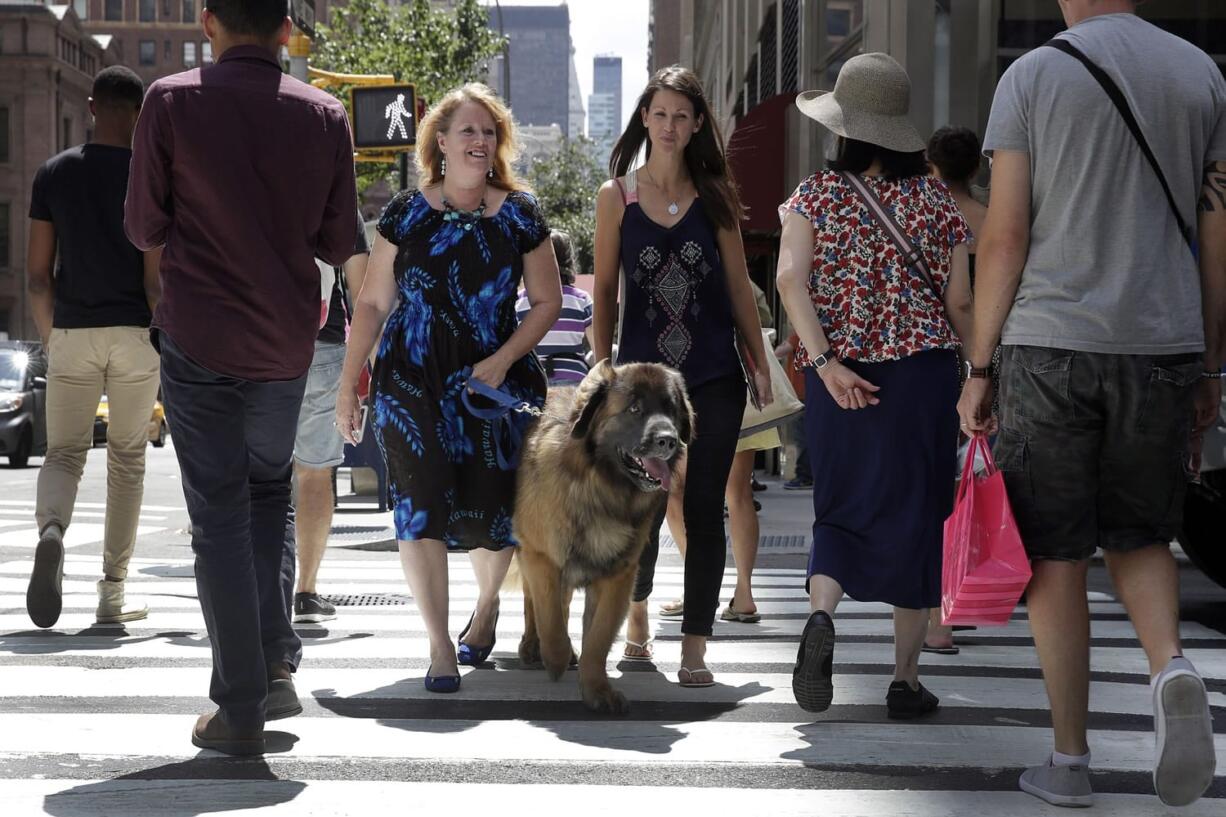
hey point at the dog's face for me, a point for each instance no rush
(635, 420)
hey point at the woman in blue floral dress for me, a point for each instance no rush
(442, 281)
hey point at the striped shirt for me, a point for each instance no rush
(561, 350)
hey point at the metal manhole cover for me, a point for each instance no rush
(369, 599)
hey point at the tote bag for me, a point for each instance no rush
(786, 404)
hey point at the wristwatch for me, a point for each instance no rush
(972, 371)
(824, 359)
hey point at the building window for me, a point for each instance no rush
(189, 11)
(148, 52)
(81, 7)
(838, 22)
(114, 9)
(206, 52)
(4, 238)
(189, 54)
(166, 50)
(148, 11)
(4, 135)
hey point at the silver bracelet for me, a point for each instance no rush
(1211, 375)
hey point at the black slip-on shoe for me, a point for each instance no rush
(812, 679)
(904, 703)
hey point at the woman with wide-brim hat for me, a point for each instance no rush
(878, 343)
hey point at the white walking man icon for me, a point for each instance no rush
(396, 113)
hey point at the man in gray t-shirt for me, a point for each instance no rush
(1112, 340)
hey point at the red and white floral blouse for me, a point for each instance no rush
(871, 307)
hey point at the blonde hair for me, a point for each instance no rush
(438, 120)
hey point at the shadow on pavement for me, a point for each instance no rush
(653, 722)
(184, 789)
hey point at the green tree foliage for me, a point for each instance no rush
(435, 49)
(566, 185)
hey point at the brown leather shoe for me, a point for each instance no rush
(282, 701)
(211, 732)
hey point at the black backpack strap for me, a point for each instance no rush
(1121, 104)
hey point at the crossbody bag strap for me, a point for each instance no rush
(912, 257)
(1121, 104)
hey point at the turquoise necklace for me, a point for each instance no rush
(464, 219)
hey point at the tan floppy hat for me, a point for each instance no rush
(870, 102)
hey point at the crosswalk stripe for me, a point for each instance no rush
(801, 741)
(29, 503)
(516, 685)
(512, 619)
(78, 694)
(342, 798)
(78, 534)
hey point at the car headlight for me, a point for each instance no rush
(10, 401)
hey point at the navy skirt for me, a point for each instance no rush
(883, 479)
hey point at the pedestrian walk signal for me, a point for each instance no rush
(384, 116)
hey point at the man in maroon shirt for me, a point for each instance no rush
(245, 176)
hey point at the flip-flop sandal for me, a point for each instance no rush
(673, 609)
(686, 676)
(645, 647)
(744, 618)
(952, 650)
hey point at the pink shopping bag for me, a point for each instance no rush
(986, 569)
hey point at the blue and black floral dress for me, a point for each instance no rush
(457, 280)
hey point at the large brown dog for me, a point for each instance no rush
(595, 473)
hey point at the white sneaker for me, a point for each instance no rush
(1185, 762)
(113, 609)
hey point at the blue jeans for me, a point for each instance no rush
(234, 440)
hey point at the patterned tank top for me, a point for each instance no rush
(674, 299)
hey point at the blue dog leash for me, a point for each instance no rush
(504, 434)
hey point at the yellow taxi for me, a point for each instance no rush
(157, 423)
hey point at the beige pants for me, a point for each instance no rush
(82, 363)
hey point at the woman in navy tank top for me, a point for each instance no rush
(672, 227)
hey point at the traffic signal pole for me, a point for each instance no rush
(299, 53)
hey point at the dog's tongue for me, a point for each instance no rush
(659, 470)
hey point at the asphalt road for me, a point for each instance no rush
(94, 720)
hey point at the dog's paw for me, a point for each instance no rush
(603, 698)
(557, 658)
(530, 651)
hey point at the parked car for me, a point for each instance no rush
(157, 423)
(1204, 512)
(23, 401)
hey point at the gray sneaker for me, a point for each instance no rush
(1184, 766)
(310, 608)
(1067, 786)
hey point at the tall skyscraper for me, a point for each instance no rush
(605, 104)
(540, 58)
(607, 79)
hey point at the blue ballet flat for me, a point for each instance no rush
(471, 656)
(442, 683)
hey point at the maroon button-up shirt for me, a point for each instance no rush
(246, 176)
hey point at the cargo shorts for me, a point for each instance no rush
(1093, 447)
(318, 444)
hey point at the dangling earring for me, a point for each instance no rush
(443, 169)
(489, 174)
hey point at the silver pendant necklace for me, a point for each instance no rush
(673, 209)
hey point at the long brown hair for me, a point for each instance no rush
(438, 119)
(704, 154)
